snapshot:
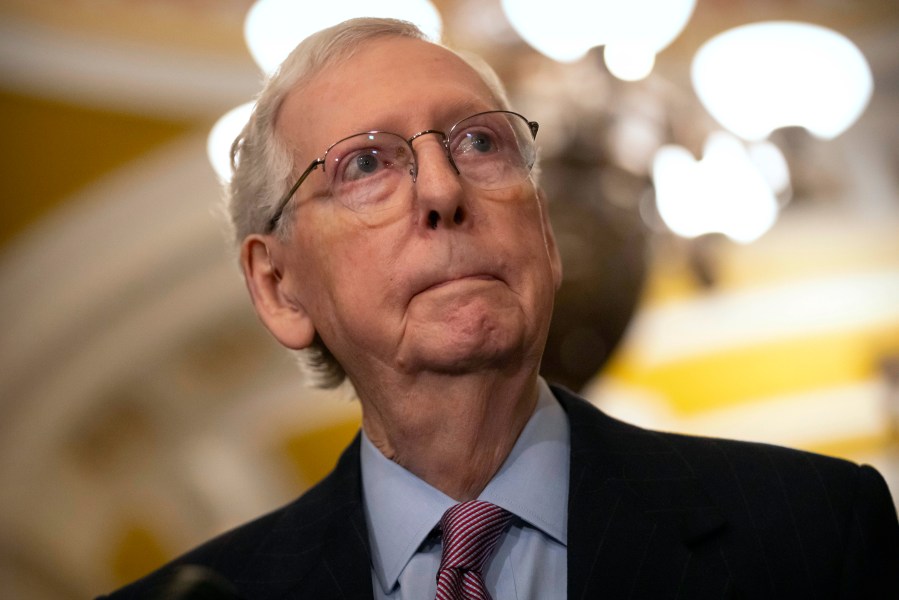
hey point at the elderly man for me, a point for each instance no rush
(392, 231)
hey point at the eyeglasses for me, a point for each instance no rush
(490, 150)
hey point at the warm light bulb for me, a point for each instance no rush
(637, 30)
(772, 164)
(273, 28)
(561, 30)
(722, 193)
(222, 135)
(629, 61)
(760, 77)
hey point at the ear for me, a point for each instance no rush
(554, 257)
(279, 311)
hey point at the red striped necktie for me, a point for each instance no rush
(471, 532)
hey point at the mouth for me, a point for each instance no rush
(460, 279)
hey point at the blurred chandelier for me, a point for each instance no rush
(753, 80)
(632, 32)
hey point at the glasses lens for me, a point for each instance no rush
(365, 170)
(493, 150)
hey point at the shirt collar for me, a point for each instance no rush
(533, 481)
(401, 509)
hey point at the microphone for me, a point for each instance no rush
(194, 582)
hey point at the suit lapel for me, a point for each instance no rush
(639, 523)
(320, 546)
(344, 564)
(346, 556)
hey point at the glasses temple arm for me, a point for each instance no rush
(282, 203)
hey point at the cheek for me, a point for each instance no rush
(526, 243)
(520, 229)
(356, 271)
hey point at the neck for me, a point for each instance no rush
(452, 431)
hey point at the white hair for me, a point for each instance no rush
(263, 166)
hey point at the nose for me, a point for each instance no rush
(440, 199)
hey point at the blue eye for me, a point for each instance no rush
(480, 142)
(362, 164)
(367, 163)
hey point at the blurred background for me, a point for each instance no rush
(723, 189)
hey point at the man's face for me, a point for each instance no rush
(457, 279)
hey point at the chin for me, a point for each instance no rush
(461, 356)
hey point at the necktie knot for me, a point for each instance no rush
(471, 532)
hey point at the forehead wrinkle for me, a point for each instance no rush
(321, 88)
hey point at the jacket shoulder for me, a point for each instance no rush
(719, 458)
(287, 538)
(729, 469)
(788, 516)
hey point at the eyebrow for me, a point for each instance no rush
(465, 108)
(445, 116)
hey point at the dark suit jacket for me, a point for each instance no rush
(651, 515)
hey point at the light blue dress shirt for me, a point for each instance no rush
(530, 562)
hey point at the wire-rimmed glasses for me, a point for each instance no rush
(491, 150)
